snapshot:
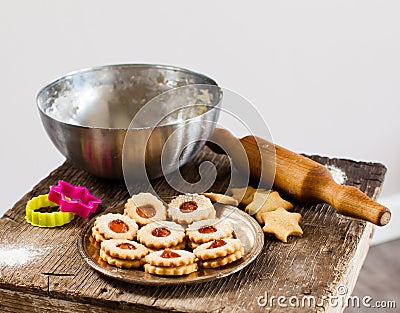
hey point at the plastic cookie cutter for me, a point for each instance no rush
(42, 212)
(75, 199)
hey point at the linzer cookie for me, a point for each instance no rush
(194, 245)
(170, 257)
(119, 262)
(217, 248)
(208, 230)
(124, 249)
(219, 252)
(116, 226)
(96, 235)
(161, 235)
(171, 271)
(218, 262)
(180, 246)
(170, 262)
(189, 208)
(145, 208)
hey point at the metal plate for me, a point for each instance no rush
(245, 228)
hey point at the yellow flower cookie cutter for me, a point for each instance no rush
(45, 219)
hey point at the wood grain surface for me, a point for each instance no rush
(57, 279)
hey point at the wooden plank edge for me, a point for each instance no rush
(22, 302)
(344, 287)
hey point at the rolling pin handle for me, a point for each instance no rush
(298, 176)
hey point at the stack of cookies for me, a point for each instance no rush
(219, 252)
(123, 253)
(208, 230)
(170, 262)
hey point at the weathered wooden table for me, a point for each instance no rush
(42, 271)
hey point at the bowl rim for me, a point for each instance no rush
(121, 65)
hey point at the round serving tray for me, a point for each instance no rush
(245, 228)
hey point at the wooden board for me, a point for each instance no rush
(56, 278)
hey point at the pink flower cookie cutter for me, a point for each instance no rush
(75, 199)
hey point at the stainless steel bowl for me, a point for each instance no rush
(88, 116)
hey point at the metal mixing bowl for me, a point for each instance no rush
(87, 115)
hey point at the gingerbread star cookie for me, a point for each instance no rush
(266, 202)
(220, 198)
(282, 224)
(243, 195)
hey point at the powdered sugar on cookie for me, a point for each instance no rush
(145, 208)
(189, 208)
(207, 230)
(160, 235)
(116, 226)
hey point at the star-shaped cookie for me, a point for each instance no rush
(282, 224)
(220, 198)
(266, 202)
(246, 194)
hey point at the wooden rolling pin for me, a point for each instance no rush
(300, 177)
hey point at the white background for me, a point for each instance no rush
(325, 75)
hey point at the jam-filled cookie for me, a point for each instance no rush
(217, 248)
(145, 208)
(116, 226)
(218, 262)
(207, 230)
(120, 262)
(192, 245)
(170, 262)
(171, 271)
(161, 235)
(219, 252)
(170, 257)
(96, 235)
(124, 249)
(189, 208)
(179, 246)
